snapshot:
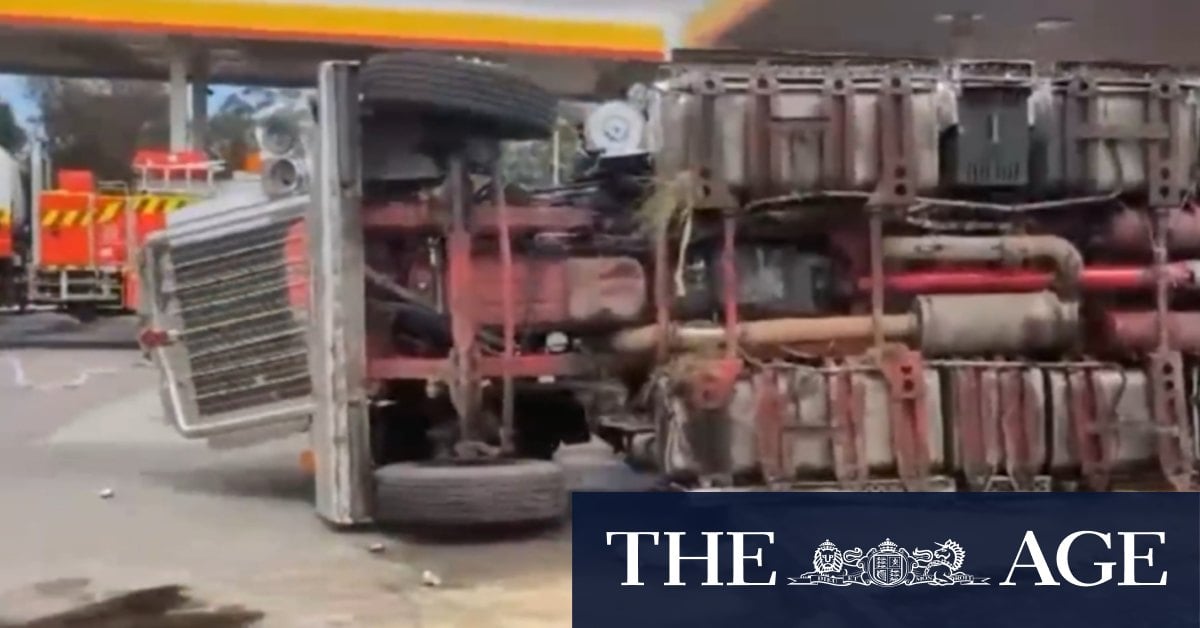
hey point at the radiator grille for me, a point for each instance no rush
(243, 337)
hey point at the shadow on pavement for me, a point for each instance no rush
(50, 330)
(477, 535)
(158, 607)
(249, 481)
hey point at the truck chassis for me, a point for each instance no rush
(830, 274)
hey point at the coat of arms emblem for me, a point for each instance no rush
(888, 565)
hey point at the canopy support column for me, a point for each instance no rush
(199, 137)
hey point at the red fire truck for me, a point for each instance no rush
(85, 234)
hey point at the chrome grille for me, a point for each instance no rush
(242, 338)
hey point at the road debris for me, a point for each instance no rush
(376, 548)
(107, 493)
(430, 579)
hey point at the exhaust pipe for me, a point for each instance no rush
(941, 325)
(984, 324)
(766, 333)
(1009, 249)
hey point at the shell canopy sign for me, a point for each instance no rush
(555, 28)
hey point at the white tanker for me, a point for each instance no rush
(12, 213)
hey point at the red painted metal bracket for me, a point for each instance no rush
(710, 383)
(903, 370)
(1169, 407)
(974, 422)
(1093, 432)
(847, 409)
(1024, 440)
(770, 428)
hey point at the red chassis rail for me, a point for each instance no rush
(462, 221)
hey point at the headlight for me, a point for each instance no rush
(282, 177)
(285, 133)
(280, 135)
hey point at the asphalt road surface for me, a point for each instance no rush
(59, 331)
(109, 517)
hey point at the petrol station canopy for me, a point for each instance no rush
(574, 46)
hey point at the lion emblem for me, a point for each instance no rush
(835, 565)
(827, 559)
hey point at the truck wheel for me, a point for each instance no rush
(493, 492)
(499, 104)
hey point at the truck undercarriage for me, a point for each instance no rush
(834, 274)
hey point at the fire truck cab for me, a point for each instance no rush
(86, 234)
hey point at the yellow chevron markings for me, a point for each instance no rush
(106, 212)
(148, 205)
(110, 211)
(70, 217)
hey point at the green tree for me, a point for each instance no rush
(231, 129)
(12, 136)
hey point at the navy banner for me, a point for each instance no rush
(863, 560)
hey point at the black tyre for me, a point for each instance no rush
(494, 492)
(487, 100)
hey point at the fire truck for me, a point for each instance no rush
(80, 237)
(807, 273)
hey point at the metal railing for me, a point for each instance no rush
(198, 177)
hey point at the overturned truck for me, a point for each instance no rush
(808, 274)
